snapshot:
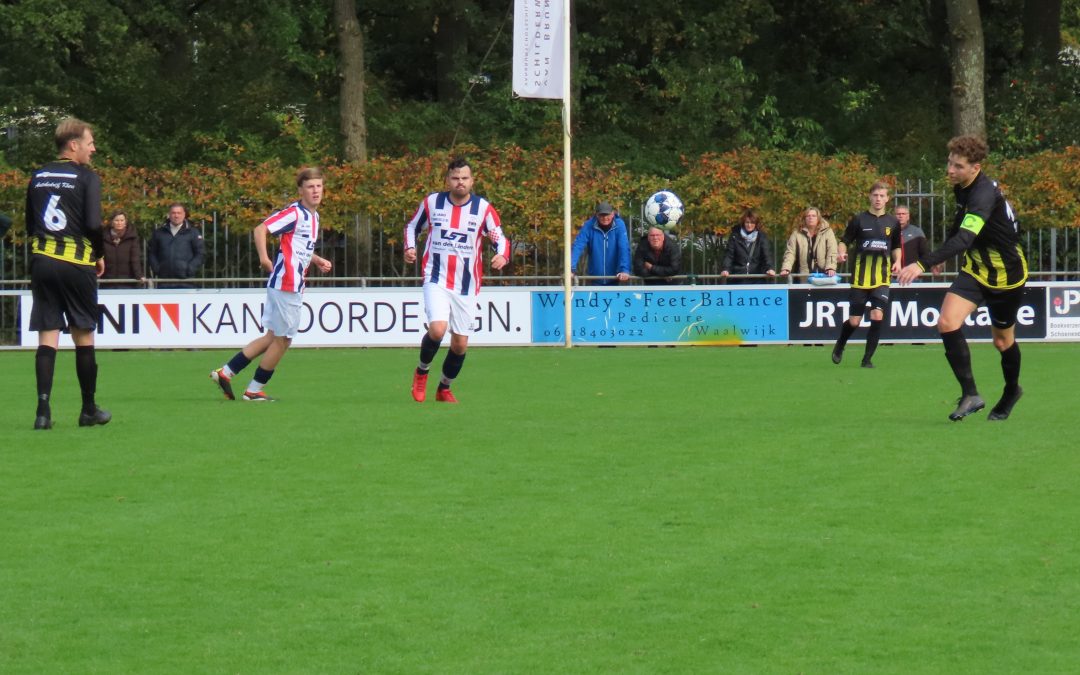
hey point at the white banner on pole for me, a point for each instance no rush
(538, 48)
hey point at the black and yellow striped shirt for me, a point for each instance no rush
(871, 240)
(986, 231)
(63, 212)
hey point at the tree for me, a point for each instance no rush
(967, 60)
(1042, 32)
(351, 46)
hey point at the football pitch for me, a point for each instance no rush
(591, 510)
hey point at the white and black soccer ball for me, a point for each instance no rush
(664, 210)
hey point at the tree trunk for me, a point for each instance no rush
(967, 60)
(351, 45)
(1042, 32)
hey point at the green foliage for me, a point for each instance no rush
(1038, 110)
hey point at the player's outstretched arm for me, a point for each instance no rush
(321, 264)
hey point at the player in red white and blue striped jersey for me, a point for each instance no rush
(454, 221)
(297, 228)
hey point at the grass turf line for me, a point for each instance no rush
(642, 510)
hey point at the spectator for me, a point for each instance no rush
(811, 247)
(5, 225)
(748, 250)
(176, 249)
(657, 258)
(604, 240)
(915, 245)
(123, 252)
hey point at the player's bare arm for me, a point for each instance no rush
(910, 273)
(259, 235)
(321, 264)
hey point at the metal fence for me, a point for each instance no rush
(367, 252)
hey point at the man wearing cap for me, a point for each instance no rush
(603, 238)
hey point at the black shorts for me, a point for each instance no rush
(878, 297)
(1001, 305)
(62, 289)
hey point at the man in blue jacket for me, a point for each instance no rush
(604, 239)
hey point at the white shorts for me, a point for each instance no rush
(443, 305)
(281, 313)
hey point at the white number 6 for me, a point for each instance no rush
(55, 219)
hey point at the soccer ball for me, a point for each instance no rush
(664, 210)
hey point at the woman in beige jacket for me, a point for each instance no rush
(811, 247)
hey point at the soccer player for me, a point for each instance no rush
(453, 265)
(994, 273)
(876, 237)
(297, 226)
(63, 221)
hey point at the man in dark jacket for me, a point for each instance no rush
(176, 249)
(657, 258)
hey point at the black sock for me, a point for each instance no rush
(44, 367)
(86, 370)
(428, 349)
(872, 337)
(959, 357)
(1010, 368)
(845, 334)
(262, 376)
(450, 368)
(238, 362)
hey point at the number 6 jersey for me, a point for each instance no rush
(452, 257)
(63, 212)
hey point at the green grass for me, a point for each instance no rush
(680, 510)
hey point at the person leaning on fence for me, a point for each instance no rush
(657, 258)
(123, 253)
(176, 249)
(63, 222)
(915, 246)
(748, 250)
(604, 241)
(811, 246)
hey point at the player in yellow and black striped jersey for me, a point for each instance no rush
(875, 237)
(994, 273)
(63, 221)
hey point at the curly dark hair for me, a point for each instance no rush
(972, 148)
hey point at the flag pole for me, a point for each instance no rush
(567, 201)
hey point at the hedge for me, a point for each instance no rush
(526, 187)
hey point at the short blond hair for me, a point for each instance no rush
(308, 173)
(68, 130)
